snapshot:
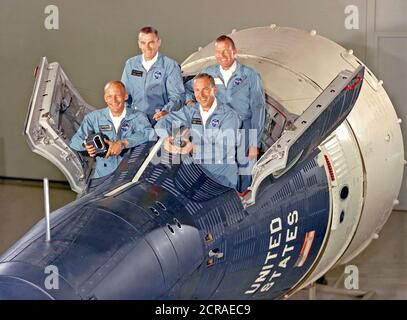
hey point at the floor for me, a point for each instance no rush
(382, 266)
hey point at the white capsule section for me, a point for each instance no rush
(344, 168)
(366, 152)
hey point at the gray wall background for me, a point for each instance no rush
(95, 38)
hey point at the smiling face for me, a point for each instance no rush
(204, 92)
(148, 44)
(115, 97)
(225, 54)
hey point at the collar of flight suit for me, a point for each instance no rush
(237, 72)
(220, 110)
(130, 114)
(159, 63)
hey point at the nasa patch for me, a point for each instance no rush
(125, 127)
(214, 123)
(238, 81)
(157, 74)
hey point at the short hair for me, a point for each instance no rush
(115, 83)
(207, 76)
(223, 38)
(148, 30)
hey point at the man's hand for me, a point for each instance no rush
(189, 102)
(253, 153)
(158, 115)
(89, 148)
(115, 148)
(171, 148)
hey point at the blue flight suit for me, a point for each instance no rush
(245, 94)
(160, 88)
(135, 128)
(215, 143)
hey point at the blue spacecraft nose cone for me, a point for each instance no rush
(146, 267)
(25, 281)
(18, 289)
(158, 261)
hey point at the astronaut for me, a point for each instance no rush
(124, 128)
(213, 131)
(240, 87)
(153, 81)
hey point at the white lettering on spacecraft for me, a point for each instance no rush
(269, 273)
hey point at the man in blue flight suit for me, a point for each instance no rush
(153, 81)
(214, 132)
(240, 87)
(125, 128)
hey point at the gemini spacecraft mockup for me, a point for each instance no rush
(322, 190)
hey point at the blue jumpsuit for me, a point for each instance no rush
(135, 128)
(161, 88)
(245, 94)
(215, 142)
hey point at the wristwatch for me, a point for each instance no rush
(122, 145)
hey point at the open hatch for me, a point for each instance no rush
(55, 113)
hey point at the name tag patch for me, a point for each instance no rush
(197, 121)
(136, 73)
(106, 127)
